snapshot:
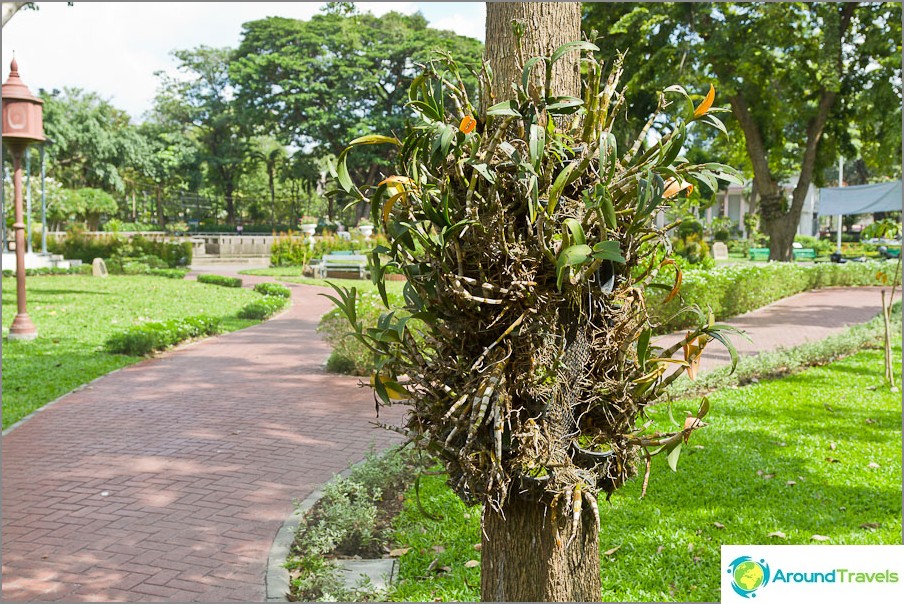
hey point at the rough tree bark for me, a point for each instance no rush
(527, 555)
(517, 31)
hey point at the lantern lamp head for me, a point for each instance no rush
(23, 113)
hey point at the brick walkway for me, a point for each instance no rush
(806, 317)
(169, 479)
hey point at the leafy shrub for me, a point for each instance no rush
(79, 246)
(349, 355)
(148, 337)
(264, 308)
(221, 280)
(51, 271)
(273, 289)
(115, 225)
(130, 267)
(169, 273)
(736, 289)
(295, 251)
(823, 247)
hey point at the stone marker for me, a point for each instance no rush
(720, 251)
(99, 267)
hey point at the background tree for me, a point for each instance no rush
(272, 155)
(804, 82)
(92, 141)
(203, 101)
(317, 84)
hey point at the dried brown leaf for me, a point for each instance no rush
(873, 465)
(609, 552)
(472, 564)
(819, 538)
(870, 525)
(395, 553)
(778, 535)
(718, 525)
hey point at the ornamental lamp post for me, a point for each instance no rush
(23, 124)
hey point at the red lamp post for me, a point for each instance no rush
(23, 124)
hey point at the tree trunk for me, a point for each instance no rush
(230, 203)
(780, 227)
(161, 215)
(524, 560)
(543, 27)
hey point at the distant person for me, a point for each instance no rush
(239, 228)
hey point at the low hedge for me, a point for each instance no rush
(148, 337)
(733, 290)
(221, 280)
(169, 273)
(264, 308)
(84, 269)
(273, 289)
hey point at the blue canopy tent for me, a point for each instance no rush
(862, 199)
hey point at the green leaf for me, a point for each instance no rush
(537, 145)
(608, 155)
(716, 122)
(674, 147)
(345, 181)
(484, 171)
(704, 408)
(504, 108)
(375, 139)
(574, 255)
(571, 256)
(608, 209)
(563, 105)
(528, 66)
(570, 46)
(673, 456)
(556, 189)
(608, 250)
(643, 348)
(577, 231)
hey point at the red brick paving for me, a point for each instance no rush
(806, 317)
(201, 451)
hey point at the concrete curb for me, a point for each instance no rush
(276, 579)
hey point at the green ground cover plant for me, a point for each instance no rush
(810, 458)
(140, 340)
(275, 271)
(221, 280)
(273, 289)
(263, 308)
(735, 289)
(351, 518)
(75, 316)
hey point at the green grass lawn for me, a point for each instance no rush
(737, 472)
(75, 315)
(275, 271)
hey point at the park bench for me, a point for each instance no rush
(341, 262)
(762, 253)
(759, 253)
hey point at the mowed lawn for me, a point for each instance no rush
(76, 314)
(815, 457)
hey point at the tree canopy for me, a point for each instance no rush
(805, 82)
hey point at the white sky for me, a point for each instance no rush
(114, 48)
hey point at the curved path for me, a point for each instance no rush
(169, 479)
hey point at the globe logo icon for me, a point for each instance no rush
(748, 575)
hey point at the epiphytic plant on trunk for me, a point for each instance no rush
(524, 348)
